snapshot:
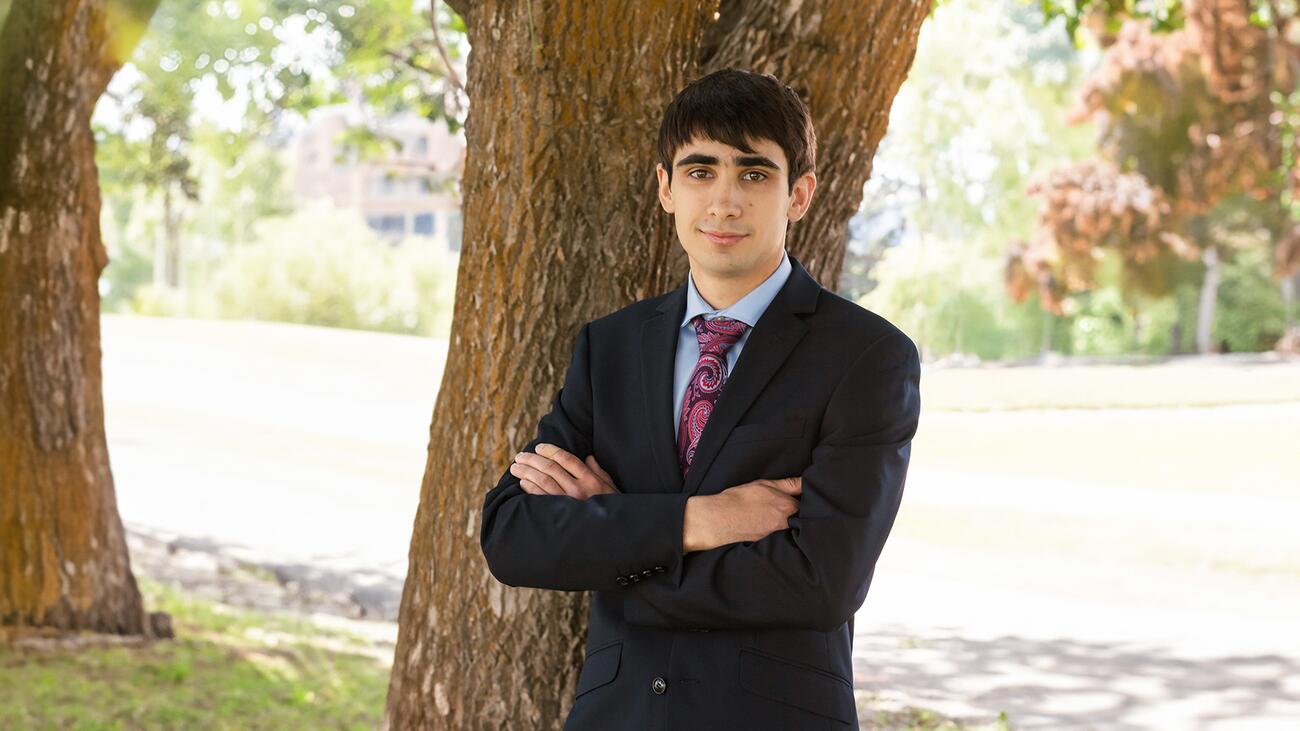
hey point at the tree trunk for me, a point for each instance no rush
(847, 60)
(1049, 327)
(1209, 297)
(63, 557)
(166, 257)
(1288, 299)
(562, 225)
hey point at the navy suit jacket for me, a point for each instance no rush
(753, 635)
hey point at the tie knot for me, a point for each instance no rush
(717, 335)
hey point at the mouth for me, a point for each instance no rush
(722, 237)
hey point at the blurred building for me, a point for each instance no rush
(405, 192)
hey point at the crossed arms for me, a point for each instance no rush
(812, 575)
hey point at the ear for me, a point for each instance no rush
(665, 192)
(801, 196)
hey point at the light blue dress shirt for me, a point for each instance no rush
(747, 309)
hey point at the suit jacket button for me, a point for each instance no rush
(659, 686)
(635, 578)
(647, 573)
(659, 569)
(622, 581)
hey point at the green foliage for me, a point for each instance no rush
(950, 299)
(389, 52)
(1251, 315)
(239, 184)
(198, 111)
(145, 125)
(130, 266)
(212, 80)
(967, 132)
(1103, 325)
(973, 129)
(322, 266)
(1165, 15)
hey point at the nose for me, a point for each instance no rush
(726, 199)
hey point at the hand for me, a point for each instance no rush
(553, 471)
(746, 512)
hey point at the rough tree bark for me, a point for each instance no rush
(561, 226)
(63, 557)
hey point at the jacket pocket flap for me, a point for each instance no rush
(808, 688)
(600, 668)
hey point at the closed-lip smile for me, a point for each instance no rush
(722, 237)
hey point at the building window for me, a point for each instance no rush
(422, 147)
(388, 224)
(424, 224)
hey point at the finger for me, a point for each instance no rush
(544, 481)
(574, 474)
(786, 485)
(562, 478)
(600, 472)
(569, 462)
(549, 467)
(531, 487)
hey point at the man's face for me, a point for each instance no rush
(718, 189)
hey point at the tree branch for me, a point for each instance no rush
(409, 60)
(452, 76)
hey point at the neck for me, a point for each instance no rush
(723, 292)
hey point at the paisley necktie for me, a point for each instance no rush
(716, 337)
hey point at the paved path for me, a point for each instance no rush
(295, 447)
(1079, 644)
(303, 448)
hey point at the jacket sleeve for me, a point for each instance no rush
(563, 543)
(813, 575)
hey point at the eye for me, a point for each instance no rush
(697, 170)
(761, 176)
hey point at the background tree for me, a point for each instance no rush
(562, 225)
(1190, 120)
(63, 556)
(967, 133)
(261, 61)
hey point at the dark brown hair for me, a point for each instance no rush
(734, 106)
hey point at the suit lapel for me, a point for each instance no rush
(773, 338)
(658, 360)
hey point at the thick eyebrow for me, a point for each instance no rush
(742, 161)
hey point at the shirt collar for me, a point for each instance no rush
(748, 308)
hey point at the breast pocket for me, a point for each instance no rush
(781, 428)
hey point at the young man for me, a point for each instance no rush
(724, 462)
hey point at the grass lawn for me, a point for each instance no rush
(226, 669)
(1178, 382)
(237, 669)
(1158, 427)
